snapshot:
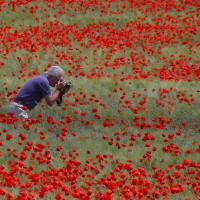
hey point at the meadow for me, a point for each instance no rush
(129, 128)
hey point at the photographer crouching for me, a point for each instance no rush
(37, 88)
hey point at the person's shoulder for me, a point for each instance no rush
(40, 77)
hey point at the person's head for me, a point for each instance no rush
(54, 74)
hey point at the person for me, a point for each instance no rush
(37, 88)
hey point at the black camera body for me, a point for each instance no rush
(68, 85)
(59, 100)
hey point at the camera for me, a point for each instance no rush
(68, 86)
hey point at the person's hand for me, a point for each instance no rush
(61, 85)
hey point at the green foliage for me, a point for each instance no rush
(118, 91)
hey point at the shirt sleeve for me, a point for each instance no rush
(44, 89)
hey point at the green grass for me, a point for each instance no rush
(111, 105)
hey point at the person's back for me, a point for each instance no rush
(33, 91)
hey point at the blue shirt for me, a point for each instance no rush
(33, 91)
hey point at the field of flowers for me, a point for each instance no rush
(130, 127)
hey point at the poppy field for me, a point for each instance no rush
(129, 128)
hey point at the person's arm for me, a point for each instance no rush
(51, 99)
